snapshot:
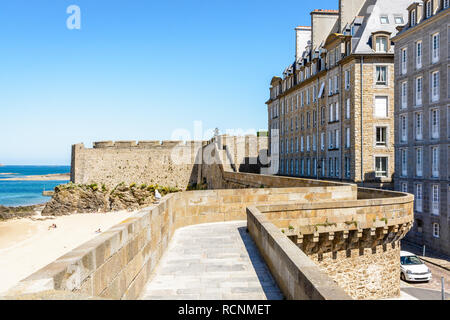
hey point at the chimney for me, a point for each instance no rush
(323, 23)
(348, 10)
(302, 36)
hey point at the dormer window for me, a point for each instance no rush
(428, 8)
(413, 18)
(399, 20)
(384, 20)
(381, 44)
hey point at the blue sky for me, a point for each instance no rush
(137, 69)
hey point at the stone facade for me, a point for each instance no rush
(332, 112)
(422, 116)
(372, 274)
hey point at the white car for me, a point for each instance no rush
(412, 268)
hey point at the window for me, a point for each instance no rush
(314, 166)
(322, 141)
(419, 162)
(347, 138)
(413, 20)
(404, 60)
(314, 143)
(381, 107)
(296, 145)
(435, 162)
(381, 75)
(330, 140)
(384, 20)
(403, 128)
(302, 167)
(381, 44)
(381, 133)
(381, 167)
(404, 160)
(347, 80)
(322, 115)
(323, 167)
(347, 111)
(399, 20)
(419, 125)
(301, 144)
(308, 166)
(419, 91)
(435, 47)
(330, 167)
(445, 4)
(404, 94)
(296, 167)
(404, 187)
(436, 230)
(434, 123)
(330, 86)
(331, 113)
(336, 109)
(419, 54)
(419, 197)
(336, 133)
(308, 145)
(428, 9)
(336, 166)
(347, 167)
(435, 200)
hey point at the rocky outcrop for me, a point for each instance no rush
(71, 199)
(18, 212)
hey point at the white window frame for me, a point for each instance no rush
(419, 162)
(381, 173)
(435, 123)
(419, 90)
(404, 94)
(419, 54)
(404, 162)
(435, 162)
(404, 61)
(435, 47)
(418, 125)
(435, 199)
(434, 85)
(436, 230)
(419, 197)
(380, 143)
(347, 114)
(403, 128)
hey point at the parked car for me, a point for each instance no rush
(412, 268)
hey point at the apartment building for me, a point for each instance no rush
(422, 119)
(333, 108)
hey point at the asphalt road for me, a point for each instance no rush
(429, 290)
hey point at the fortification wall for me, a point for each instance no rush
(170, 163)
(167, 163)
(118, 263)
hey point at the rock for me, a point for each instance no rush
(69, 199)
(17, 212)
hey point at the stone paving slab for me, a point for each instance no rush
(217, 261)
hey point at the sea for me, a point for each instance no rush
(26, 193)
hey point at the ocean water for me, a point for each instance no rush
(24, 193)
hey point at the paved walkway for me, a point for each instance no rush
(216, 261)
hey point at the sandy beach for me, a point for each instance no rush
(47, 177)
(27, 245)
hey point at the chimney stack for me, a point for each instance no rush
(302, 36)
(348, 10)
